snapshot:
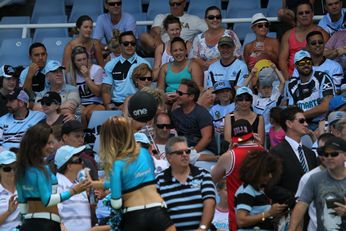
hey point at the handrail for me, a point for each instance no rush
(26, 27)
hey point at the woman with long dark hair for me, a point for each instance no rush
(36, 184)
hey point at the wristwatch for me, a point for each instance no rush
(203, 227)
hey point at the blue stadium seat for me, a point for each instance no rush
(93, 8)
(241, 29)
(244, 4)
(273, 8)
(140, 17)
(41, 33)
(201, 5)
(47, 8)
(99, 117)
(157, 7)
(132, 6)
(15, 51)
(55, 47)
(245, 13)
(13, 33)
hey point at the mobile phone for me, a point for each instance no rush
(330, 202)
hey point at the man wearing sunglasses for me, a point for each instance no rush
(315, 46)
(327, 189)
(117, 83)
(74, 212)
(188, 191)
(311, 90)
(114, 19)
(18, 120)
(334, 20)
(296, 158)
(191, 25)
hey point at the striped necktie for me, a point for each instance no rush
(302, 159)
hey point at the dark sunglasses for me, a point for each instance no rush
(180, 93)
(327, 154)
(212, 17)
(145, 78)
(114, 3)
(261, 25)
(304, 62)
(243, 97)
(319, 42)
(8, 169)
(176, 3)
(126, 44)
(301, 120)
(304, 12)
(162, 126)
(181, 152)
(47, 103)
(76, 161)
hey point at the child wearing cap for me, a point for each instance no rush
(269, 91)
(225, 94)
(8, 82)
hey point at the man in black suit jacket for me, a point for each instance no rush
(295, 163)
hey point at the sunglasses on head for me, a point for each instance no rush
(175, 3)
(8, 169)
(304, 12)
(162, 126)
(114, 3)
(145, 78)
(181, 152)
(304, 62)
(126, 44)
(180, 93)
(315, 42)
(77, 160)
(261, 25)
(212, 17)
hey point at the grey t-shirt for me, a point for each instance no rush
(322, 186)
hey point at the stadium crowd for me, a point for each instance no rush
(213, 136)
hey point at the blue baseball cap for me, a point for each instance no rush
(141, 137)
(300, 55)
(220, 85)
(243, 90)
(337, 101)
(52, 65)
(7, 157)
(64, 153)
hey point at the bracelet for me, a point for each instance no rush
(263, 217)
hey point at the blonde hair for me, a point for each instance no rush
(117, 142)
(158, 94)
(114, 43)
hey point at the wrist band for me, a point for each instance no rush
(263, 218)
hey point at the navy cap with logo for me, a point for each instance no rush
(71, 126)
(336, 143)
(7, 71)
(51, 97)
(242, 131)
(142, 106)
(19, 94)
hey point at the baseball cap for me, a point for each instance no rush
(141, 137)
(242, 131)
(52, 65)
(226, 40)
(64, 153)
(300, 55)
(142, 106)
(335, 143)
(243, 90)
(258, 18)
(220, 85)
(7, 157)
(71, 126)
(20, 94)
(334, 116)
(267, 76)
(7, 71)
(337, 101)
(51, 97)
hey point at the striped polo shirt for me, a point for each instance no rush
(255, 202)
(185, 201)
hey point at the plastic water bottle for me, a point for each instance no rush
(82, 175)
